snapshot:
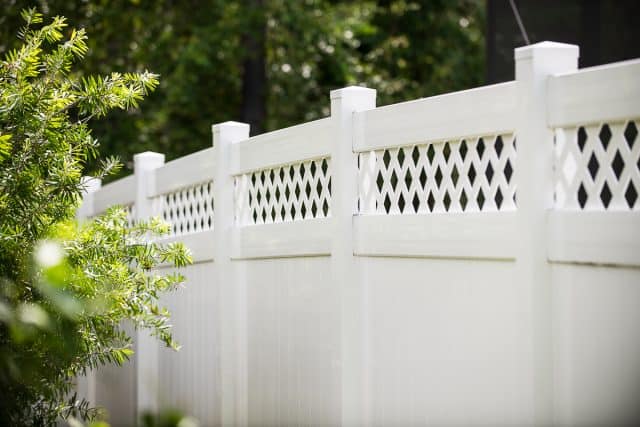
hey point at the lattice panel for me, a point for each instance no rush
(188, 210)
(282, 194)
(467, 175)
(130, 211)
(597, 167)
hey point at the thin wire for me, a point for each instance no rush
(520, 24)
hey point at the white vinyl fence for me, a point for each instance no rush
(465, 259)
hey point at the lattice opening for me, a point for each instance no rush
(130, 212)
(466, 175)
(597, 167)
(188, 210)
(286, 193)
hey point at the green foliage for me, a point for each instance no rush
(66, 289)
(405, 49)
(168, 418)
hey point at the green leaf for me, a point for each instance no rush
(5, 146)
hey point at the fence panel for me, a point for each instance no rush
(189, 379)
(465, 259)
(594, 244)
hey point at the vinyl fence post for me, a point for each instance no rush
(344, 103)
(146, 346)
(91, 185)
(232, 304)
(534, 174)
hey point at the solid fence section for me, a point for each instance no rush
(470, 258)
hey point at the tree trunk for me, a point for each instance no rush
(254, 73)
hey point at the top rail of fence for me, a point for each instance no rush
(484, 110)
(298, 143)
(597, 94)
(195, 168)
(121, 192)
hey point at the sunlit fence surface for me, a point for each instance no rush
(466, 259)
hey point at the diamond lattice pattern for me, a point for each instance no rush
(188, 210)
(130, 214)
(466, 175)
(597, 167)
(287, 193)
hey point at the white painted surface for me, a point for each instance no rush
(595, 237)
(596, 317)
(534, 177)
(294, 144)
(593, 95)
(231, 306)
(447, 343)
(345, 104)
(189, 380)
(293, 316)
(463, 235)
(485, 110)
(183, 172)
(458, 315)
(86, 208)
(300, 238)
(147, 346)
(115, 389)
(121, 192)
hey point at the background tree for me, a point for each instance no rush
(215, 67)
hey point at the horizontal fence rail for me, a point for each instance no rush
(438, 261)
(308, 141)
(121, 192)
(607, 93)
(439, 118)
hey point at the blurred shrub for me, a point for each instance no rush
(65, 288)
